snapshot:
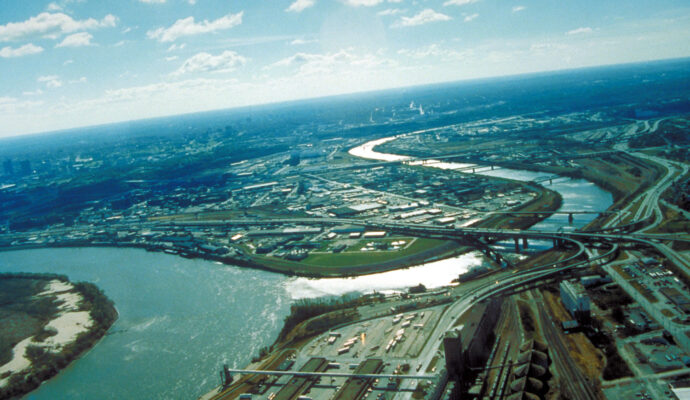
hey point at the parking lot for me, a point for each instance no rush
(660, 287)
(398, 336)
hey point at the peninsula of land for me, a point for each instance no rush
(45, 323)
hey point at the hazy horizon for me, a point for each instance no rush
(333, 96)
(82, 63)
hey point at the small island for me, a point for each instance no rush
(46, 322)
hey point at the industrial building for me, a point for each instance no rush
(575, 300)
(594, 280)
(468, 347)
(530, 377)
(354, 209)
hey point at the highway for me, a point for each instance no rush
(649, 200)
(468, 295)
(576, 384)
(327, 374)
(650, 204)
(493, 287)
(471, 293)
(420, 230)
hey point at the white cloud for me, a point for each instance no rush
(424, 17)
(171, 58)
(51, 81)
(80, 80)
(191, 2)
(470, 17)
(300, 5)
(54, 7)
(175, 46)
(547, 48)
(311, 63)
(152, 1)
(299, 42)
(27, 49)
(363, 3)
(120, 43)
(128, 74)
(518, 8)
(436, 51)
(580, 31)
(459, 2)
(11, 104)
(36, 92)
(68, 62)
(205, 62)
(76, 40)
(390, 11)
(51, 26)
(491, 57)
(187, 27)
(162, 88)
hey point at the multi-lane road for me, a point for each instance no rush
(468, 295)
(644, 207)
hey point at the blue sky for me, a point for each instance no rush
(70, 63)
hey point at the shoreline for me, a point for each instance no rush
(547, 200)
(80, 320)
(442, 252)
(249, 263)
(554, 204)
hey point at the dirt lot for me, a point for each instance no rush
(587, 357)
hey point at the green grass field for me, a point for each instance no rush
(353, 263)
(355, 258)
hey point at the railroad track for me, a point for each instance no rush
(574, 381)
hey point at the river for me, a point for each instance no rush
(577, 194)
(181, 319)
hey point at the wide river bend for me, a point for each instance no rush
(181, 319)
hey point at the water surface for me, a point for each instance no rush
(181, 319)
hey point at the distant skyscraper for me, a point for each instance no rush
(7, 167)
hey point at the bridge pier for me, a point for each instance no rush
(492, 167)
(570, 218)
(517, 245)
(490, 253)
(225, 376)
(524, 243)
(473, 170)
(550, 181)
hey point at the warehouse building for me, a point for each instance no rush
(575, 300)
(349, 211)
